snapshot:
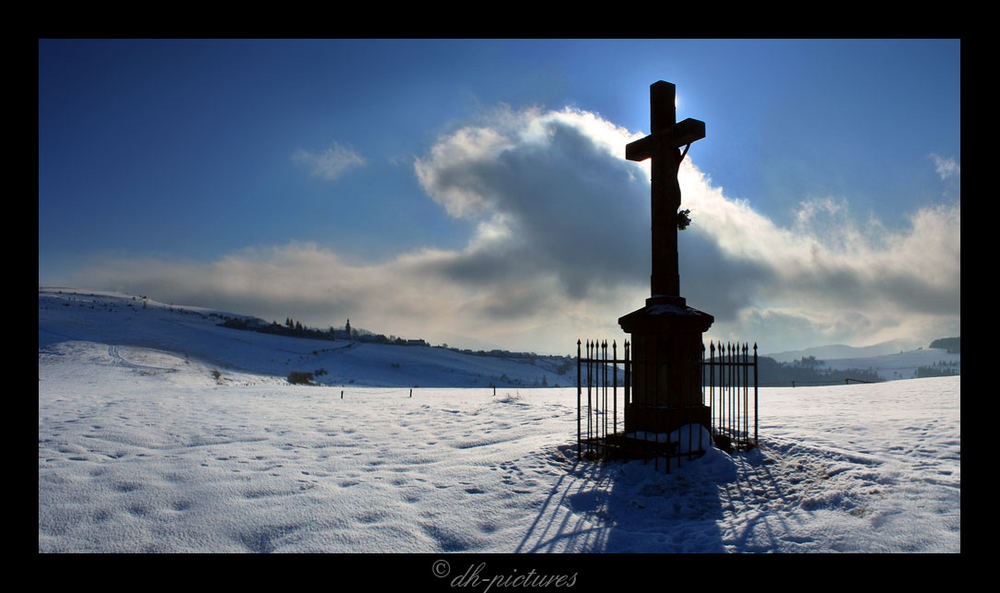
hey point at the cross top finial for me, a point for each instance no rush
(662, 106)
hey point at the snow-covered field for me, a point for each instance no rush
(159, 432)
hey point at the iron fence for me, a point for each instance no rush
(602, 378)
(727, 375)
(593, 372)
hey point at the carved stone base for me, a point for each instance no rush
(666, 365)
(659, 419)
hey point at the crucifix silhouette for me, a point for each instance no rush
(663, 145)
(666, 334)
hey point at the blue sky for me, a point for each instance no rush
(470, 192)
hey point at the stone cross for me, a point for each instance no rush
(663, 147)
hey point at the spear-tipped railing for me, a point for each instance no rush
(728, 372)
(727, 375)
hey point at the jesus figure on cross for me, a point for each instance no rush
(662, 145)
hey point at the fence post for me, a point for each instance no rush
(755, 442)
(578, 394)
(628, 376)
(604, 388)
(711, 386)
(745, 395)
(734, 400)
(722, 388)
(614, 388)
(590, 405)
(736, 394)
(727, 360)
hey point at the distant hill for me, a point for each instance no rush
(811, 371)
(231, 344)
(920, 362)
(951, 345)
(838, 351)
(250, 344)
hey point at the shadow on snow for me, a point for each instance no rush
(636, 507)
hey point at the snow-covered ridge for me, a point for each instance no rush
(194, 332)
(891, 361)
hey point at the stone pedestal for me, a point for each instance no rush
(666, 371)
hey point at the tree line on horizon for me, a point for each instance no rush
(951, 345)
(808, 371)
(770, 373)
(296, 329)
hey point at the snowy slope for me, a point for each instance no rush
(113, 318)
(143, 448)
(902, 365)
(838, 351)
(888, 359)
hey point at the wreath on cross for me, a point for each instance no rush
(683, 219)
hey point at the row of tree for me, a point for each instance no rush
(951, 345)
(808, 371)
(942, 368)
(290, 328)
(296, 329)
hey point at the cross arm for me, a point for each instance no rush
(687, 131)
(642, 149)
(680, 134)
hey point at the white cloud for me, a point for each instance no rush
(561, 251)
(946, 167)
(331, 163)
(838, 279)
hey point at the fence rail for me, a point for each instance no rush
(602, 378)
